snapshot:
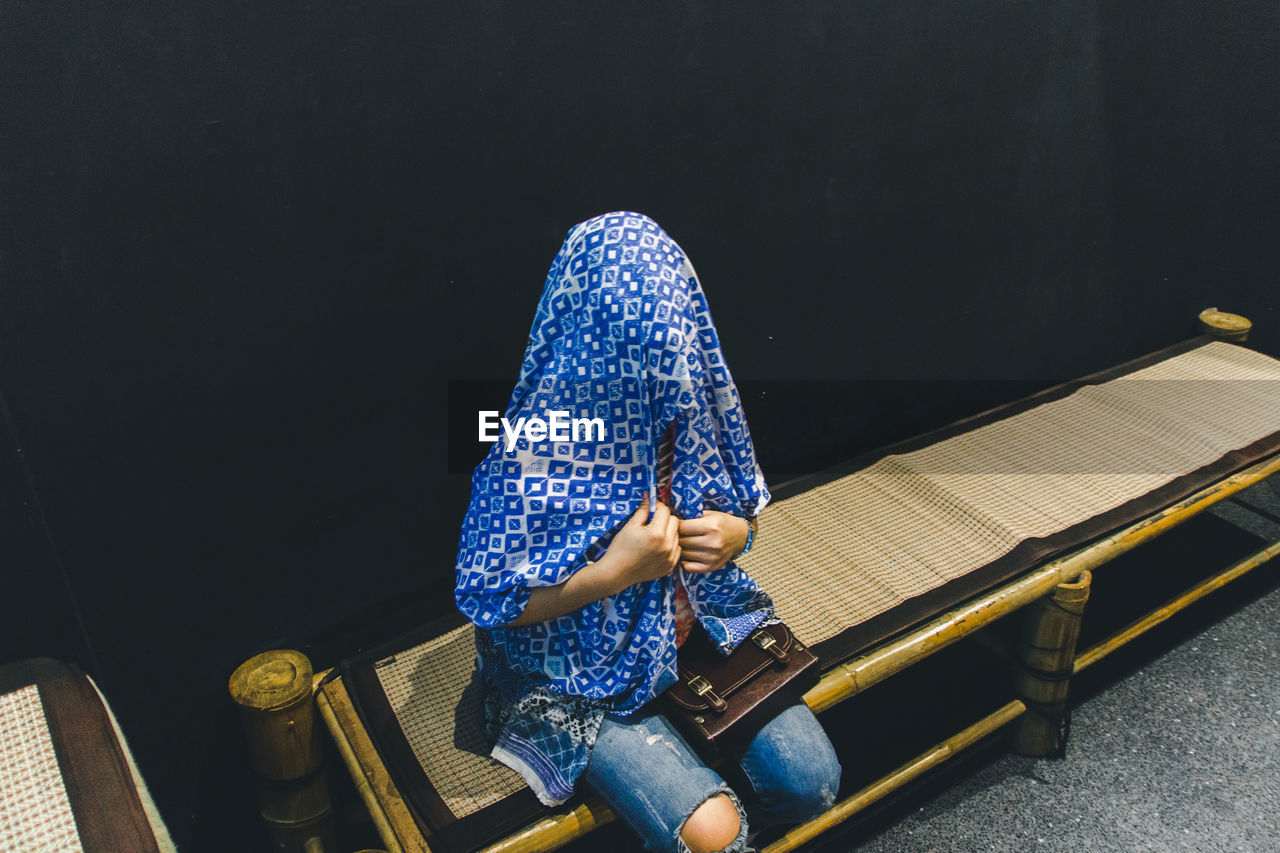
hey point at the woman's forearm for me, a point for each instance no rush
(645, 548)
(595, 581)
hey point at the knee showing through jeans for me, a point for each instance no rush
(806, 795)
(713, 826)
(798, 791)
(792, 767)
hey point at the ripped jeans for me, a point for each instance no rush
(649, 775)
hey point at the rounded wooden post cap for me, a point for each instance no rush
(1074, 593)
(271, 680)
(1227, 327)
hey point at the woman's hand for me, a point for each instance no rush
(644, 548)
(707, 543)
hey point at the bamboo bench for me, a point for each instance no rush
(1047, 576)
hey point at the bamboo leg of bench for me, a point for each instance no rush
(273, 692)
(1225, 327)
(1046, 656)
(885, 785)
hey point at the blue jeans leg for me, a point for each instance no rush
(791, 768)
(648, 774)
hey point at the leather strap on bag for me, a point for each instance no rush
(720, 699)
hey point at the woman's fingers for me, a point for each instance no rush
(702, 542)
(641, 515)
(695, 543)
(696, 526)
(705, 544)
(673, 540)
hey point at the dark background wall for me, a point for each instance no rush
(246, 248)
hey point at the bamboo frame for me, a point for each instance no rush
(1224, 326)
(552, 833)
(1045, 655)
(1164, 612)
(848, 679)
(273, 693)
(838, 684)
(390, 815)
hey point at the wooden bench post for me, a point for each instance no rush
(1225, 327)
(275, 694)
(1046, 659)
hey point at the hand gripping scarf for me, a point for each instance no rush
(622, 333)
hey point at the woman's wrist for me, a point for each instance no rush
(590, 583)
(606, 576)
(749, 537)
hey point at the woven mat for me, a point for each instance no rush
(470, 780)
(879, 545)
(837, 555)
(35, 811)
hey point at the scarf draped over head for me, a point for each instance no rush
(622, 335)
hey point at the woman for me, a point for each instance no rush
(582, 583)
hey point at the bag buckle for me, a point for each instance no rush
(765, 641)
(704, 690)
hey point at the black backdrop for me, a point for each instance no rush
(248, 250)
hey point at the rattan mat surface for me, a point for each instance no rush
(844, 552)
(35, 810)
(426, 686)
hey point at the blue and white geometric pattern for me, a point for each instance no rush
(622, 333)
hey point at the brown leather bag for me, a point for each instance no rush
(723, 701)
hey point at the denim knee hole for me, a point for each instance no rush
(738, 844)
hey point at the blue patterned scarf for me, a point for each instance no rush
(622, 333)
